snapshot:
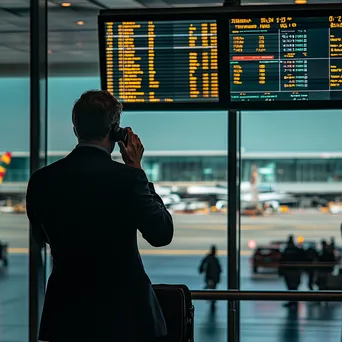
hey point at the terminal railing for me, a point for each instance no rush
(235, 296)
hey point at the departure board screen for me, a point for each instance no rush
(162, 61)
(284, 58)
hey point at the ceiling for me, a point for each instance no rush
(72, 47)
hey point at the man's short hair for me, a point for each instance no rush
(94, 113)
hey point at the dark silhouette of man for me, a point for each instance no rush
(310, 265)
(290, 267)
(326, 264)
(88, 208)
(212, 268)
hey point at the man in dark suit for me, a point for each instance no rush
(88, 208)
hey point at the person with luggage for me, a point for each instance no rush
(212, 268)
(332, 243)
(326, 264)
(290, 267)
(84, 300)
(311, 257)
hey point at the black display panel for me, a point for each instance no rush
(285, 60)
(160, 61)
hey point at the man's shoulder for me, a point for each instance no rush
(45, 170)
(126, 169)
(128, 174)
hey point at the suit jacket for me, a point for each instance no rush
(88, 208)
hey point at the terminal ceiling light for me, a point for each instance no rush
(80, 22)
(65, 4)
(301, 2)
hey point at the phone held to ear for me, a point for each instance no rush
(119, 134)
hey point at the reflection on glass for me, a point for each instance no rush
(210, 325)
(310, 321)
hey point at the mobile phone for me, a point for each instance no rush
(119, 134)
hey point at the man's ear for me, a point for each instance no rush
(75, 131)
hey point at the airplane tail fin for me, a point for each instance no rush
(5, 161)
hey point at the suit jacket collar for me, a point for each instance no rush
(92, 145)
(91, 150)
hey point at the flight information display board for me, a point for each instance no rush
(285, 58)
(161, 61)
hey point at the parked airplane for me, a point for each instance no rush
(211, 194)
(169, 198)
(264, 194)
(250, 195)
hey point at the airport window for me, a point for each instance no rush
(215, 169)
(197, 225)
(286, 170)
(173, 169)
(282, 170)
(302, 188)
(335, 170)
(312, 170)
(289, 186)
(14, 173)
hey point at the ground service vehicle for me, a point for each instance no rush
(266, 256)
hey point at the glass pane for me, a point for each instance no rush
(304, 322)
(185, 158)
(14, 170)
(291, 186)
(210, 325)
(191, 184)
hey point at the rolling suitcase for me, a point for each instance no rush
(333, 282)
(176, 304)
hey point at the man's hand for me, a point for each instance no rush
(133, 152)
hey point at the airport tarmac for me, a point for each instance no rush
(178, 263)
(194, 233)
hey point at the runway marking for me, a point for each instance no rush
(164, 252)
(267, 226)
(13, 250)
(224, 228)
(179, 252)
(244, 228)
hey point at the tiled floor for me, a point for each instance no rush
(260, 321)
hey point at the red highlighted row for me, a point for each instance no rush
(252, 58)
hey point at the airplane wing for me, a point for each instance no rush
(5, 161)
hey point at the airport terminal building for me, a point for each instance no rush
(211, 166)
(298, 151)
(294, 172)
(295, 151)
